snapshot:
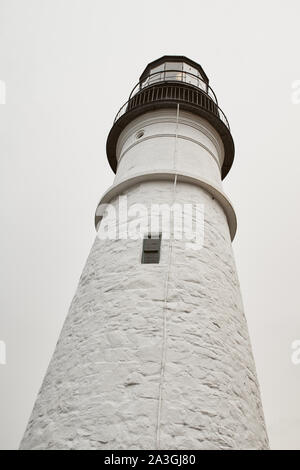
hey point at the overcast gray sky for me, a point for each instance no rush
(68, 66)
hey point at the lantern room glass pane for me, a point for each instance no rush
(193, 77)
(174, 71)
(157, 74)
(174, 66)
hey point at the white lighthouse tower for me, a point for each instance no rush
(155, 352)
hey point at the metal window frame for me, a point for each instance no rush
(151, 252)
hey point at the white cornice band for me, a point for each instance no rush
(123, 185)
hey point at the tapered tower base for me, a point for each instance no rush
(104, 388)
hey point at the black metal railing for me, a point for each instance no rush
(155, 88)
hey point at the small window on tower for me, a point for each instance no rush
(151, 249)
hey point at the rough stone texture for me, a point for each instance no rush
(101, 390)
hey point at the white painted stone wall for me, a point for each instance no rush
(105, 387)
(199, 149)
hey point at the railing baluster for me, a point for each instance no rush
(153, 89)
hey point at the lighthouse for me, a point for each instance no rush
(155, 351)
